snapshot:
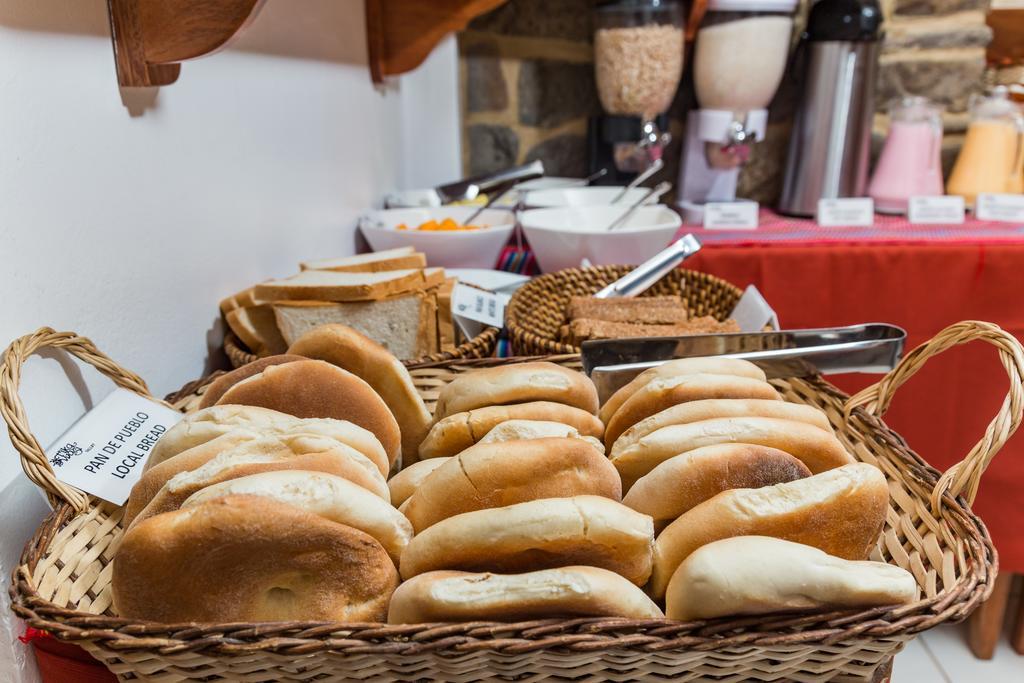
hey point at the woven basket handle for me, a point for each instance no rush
(965, 476)
(33, 459)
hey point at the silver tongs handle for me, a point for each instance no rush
(653, 269)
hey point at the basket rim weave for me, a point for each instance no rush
(570, 635)
(480, 346)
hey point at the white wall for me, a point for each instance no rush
(128, 224)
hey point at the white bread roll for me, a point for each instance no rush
(540, 534)
(708, 409)
(676, 368)
(516, 383)
(524, 430)
(250, 559)
(207, 424)
(315, 389)
(664, 392)
(455, 433)
(353, 351)
(267, 454)
(840, 511)
(688, 479)
(816, 448)
(405, 483)
(760, 575)
(565, 592)
(326, 495)
(492, 475)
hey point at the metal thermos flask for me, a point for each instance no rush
(836, 60)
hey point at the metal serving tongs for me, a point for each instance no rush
(871, 347)
(653, 269)
(470, 188)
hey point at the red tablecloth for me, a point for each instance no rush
(922, 287)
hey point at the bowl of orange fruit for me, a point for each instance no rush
(449, 236)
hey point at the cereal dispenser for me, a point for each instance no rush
(638, 61)
(739, 58)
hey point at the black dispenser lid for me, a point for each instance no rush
(847, 20)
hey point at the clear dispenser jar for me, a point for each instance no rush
(910, 163)
(638, 56)
(992, 156)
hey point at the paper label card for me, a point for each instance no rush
(104, 452)
(752, 312)
(848, 212)
(1008, 208)
(941, 210)
(474, 309)
(739, 215)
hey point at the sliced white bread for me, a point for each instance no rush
(401, 324)
(256, 326)
(390, 259)
(327, 285)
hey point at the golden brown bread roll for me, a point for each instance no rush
(323, 494)
(816, 448)
(353, 351)
(540, 534)
(695, 411)
(491, 475)
(204, 425)
(840, 511)
(524, 430)
(267, 454)
(516, 383)
(250, 559)
(688, 479)
(314, 388)
(455, 433)
(405, 483)
(564, 592)
(663, 392)
(217, 387)
(760, 575)
(676, 368)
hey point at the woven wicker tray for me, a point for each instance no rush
(62, 583)
(537, 309)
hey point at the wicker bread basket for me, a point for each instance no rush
(480, 346)
(537, 309)
(62, 584)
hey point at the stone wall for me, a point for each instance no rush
(528, 84)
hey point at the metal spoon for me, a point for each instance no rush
(654, 192)
(651, 170)
(495, 196)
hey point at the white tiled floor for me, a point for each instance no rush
(941, 655)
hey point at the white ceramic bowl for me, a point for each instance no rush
(595, 195)
(449, 249)
(562, 238)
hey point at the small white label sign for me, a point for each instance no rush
(480, 306)
(104, 452)
(941, 210)
(739, 215)
(1008, 208)
(752, 312)
(848, 212)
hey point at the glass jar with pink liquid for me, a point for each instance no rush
(910, 164)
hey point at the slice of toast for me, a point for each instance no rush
(447, 338)
(582, 329)
(650, 310)
(256, 326)
(326, 285)
(392, 259)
